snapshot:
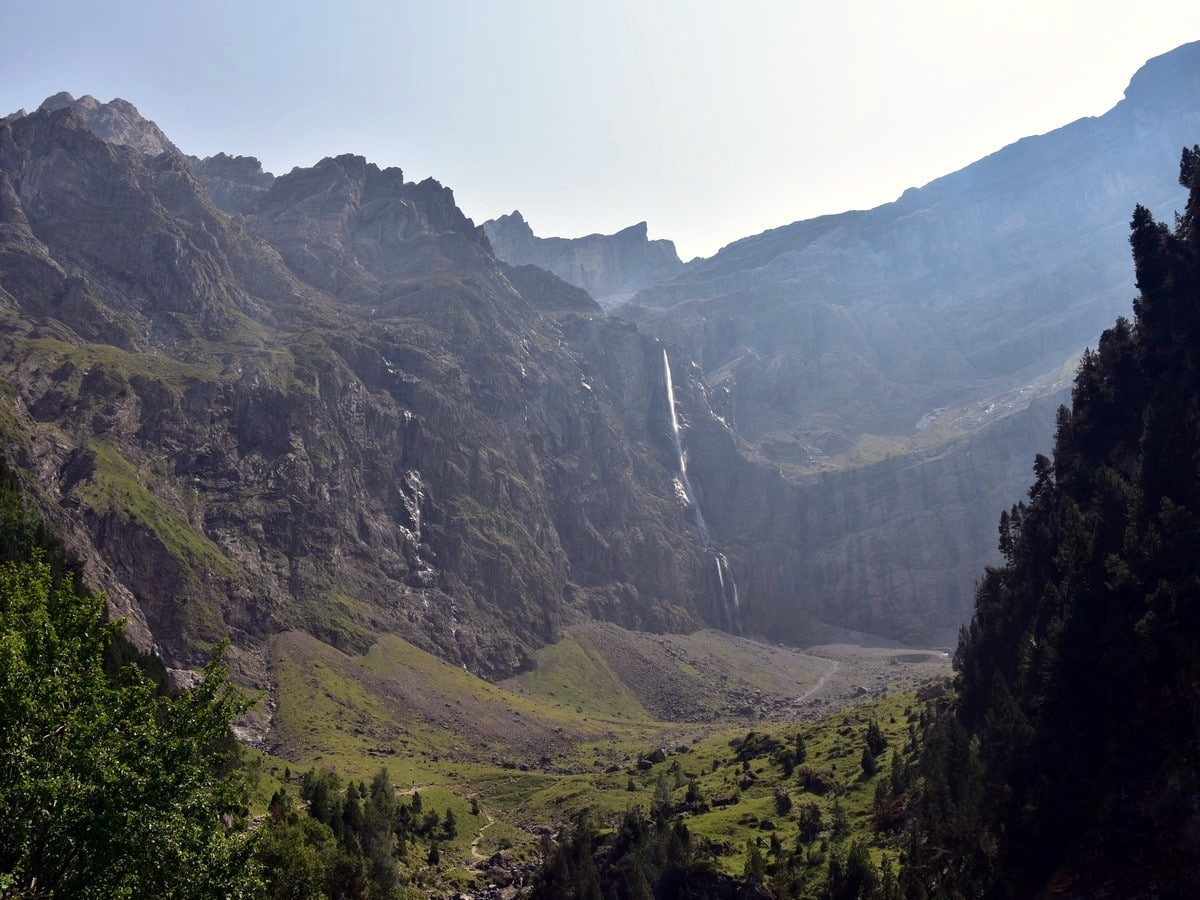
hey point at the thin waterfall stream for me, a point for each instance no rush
(730, 605)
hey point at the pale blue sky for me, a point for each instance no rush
(711, 121)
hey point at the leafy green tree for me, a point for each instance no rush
(107, 787)
(296, 854)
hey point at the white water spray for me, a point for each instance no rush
(730, 605)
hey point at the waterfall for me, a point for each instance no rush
(683, 483)
(730, 605)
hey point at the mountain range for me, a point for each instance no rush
(327, 402)
(901, 364)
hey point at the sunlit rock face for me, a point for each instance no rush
(610, 267)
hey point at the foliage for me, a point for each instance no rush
(1074, 746)
(348, 838)
(646, 857)
(108, 788)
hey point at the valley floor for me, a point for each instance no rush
(607, 719)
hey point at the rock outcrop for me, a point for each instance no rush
(610, 267)
(233, 183)
(117, 122)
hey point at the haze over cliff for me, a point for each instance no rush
(882, 358)
(864, 323)
(610, 267)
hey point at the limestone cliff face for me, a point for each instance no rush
(610, 267)
(858, 324)
(336, 413)
(901, 365)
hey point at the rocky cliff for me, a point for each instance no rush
(233, 183)
(320, 402)
(336, 413)
(902, 364)
(863, 323)
(610, 267)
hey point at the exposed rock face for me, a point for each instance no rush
(610, 267)
(862, 323)
(881, 358)
(233, 183)
(117, 122)
(337, 414)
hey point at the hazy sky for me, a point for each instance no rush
(711, 121)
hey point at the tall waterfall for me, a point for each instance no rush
(730, 606)
(682, 484)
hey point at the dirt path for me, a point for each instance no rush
(475, 854)
(833, 667)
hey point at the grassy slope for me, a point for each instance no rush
(564, 738)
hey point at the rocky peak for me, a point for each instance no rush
(350, 227)
(1169, 81)
(509, 230)
(234, 183)
(609, 267)
(61, 100)
(117, 122)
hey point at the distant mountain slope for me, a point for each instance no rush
(891, 360)
(610, 267)
(321, 402)
(1069, 764)
(864, 322)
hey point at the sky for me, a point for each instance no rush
(709, 120)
